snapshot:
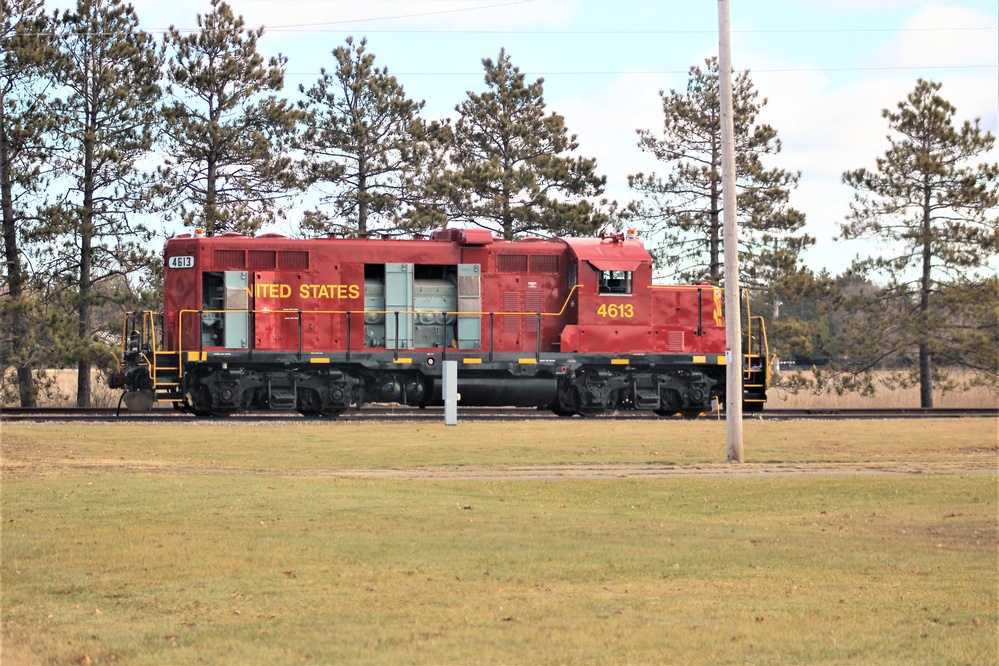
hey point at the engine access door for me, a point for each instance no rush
(470, 305)
(399, 306)
(275, 322)
(235, 315)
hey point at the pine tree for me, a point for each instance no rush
(26, 58)
(105, 120)
(512, 168)
(683, 208)
(363, 137)
(227, 168)
(935, 208)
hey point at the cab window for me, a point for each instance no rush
(615, 282)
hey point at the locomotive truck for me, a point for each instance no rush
(574, 325)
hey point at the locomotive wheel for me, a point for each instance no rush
(557, 409)
(332, 413)
(200, 405)
(691, 414)
(576, 400)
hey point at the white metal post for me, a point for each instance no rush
(450, 393)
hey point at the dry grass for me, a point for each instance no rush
(60, 389)
(269, 544)
(885, 397)
(324, 448)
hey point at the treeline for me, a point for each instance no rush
(102, 127)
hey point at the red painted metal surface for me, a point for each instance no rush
(299, 292)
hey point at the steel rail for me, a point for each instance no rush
(400, 413)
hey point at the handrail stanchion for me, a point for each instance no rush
(444, 334)
(700, 313)
(348, 335)
(537, 352)
(491, 321)
(251, 320)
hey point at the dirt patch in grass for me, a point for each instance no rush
(522, 451)
(494, 472)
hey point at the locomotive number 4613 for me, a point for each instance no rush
(181, 261)
(626, 310)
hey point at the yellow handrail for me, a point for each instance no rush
(766, 351)
(149, 327)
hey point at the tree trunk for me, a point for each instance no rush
(715, 224)
(83, 320)
(86, 230)
(925, 377)
(925, 355)
(507, 214)
(19, 352)
(211, 204)
(362, 196)
(714, 248)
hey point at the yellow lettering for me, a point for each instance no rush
(284, 291)
(625, 310)
(270, 290)
(337, 291)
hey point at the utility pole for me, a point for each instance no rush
(730, 238)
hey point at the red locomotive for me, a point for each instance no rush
(573, 325)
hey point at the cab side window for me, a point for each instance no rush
(615, 282)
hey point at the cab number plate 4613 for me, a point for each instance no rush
(181, 261)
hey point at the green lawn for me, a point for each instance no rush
(249, 544)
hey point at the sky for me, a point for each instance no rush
(827, 69)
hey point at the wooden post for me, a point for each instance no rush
(730, 237)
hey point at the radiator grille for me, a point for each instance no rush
(532, 303)
(229, 259)
(294, 260)
(511, 303)
(262, 259)
(511, 263)
(544, 263)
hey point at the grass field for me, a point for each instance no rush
(621, 543)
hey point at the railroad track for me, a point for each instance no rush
(381, 413)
